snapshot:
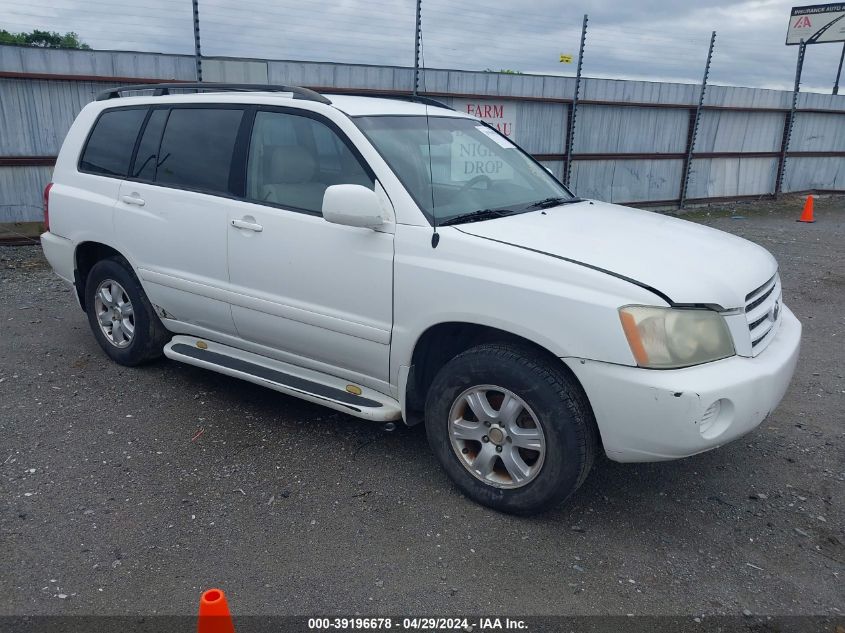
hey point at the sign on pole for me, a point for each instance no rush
(817, 24)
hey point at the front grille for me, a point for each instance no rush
(763, 312)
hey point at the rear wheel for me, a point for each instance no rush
(120, 315)
(511, 428)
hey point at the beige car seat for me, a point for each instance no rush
(289, 179)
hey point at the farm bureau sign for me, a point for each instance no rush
(499, 114)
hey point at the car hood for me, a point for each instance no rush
(686, 262)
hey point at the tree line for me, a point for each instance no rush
(43, 39)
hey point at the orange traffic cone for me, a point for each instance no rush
(807, 214)
(214, 616)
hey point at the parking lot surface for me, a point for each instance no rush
(132, 490)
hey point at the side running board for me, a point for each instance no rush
(284, 377)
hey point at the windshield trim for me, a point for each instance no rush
(429, 216)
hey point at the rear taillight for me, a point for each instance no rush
(47, 206)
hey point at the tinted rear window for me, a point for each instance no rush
(196, 150)
(146, 160)
(109, 148)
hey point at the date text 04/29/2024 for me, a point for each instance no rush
(417, 624)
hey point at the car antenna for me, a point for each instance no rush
(435, 237)
(420, 48)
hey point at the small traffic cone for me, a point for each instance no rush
(214, 616)
(807, 214)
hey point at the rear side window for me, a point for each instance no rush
(196, 149)
(109, 147)
(146, 160)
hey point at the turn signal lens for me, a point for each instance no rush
(667, 338)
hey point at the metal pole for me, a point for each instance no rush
(570, 137)
(787, 130)
(417, 43)
(839, 72)
(694, 127)
(197, 51)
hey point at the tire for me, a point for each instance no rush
(524, 392)
(132, 332)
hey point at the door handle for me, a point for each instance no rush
(134, 199)
(249, 226)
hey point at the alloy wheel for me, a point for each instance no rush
(496, 436)
(115, 313)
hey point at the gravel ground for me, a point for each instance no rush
(131, 490)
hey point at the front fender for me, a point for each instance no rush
(567, 309)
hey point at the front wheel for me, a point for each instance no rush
(511, 428)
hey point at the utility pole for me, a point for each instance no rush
(197, 51)
(695, 122)
(417, 44)
(839, 72)
(573, 111)
(790, 120)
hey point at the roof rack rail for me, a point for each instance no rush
(165, 88)
(393, 95)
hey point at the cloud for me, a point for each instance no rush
(658, 40)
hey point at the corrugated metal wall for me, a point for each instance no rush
(630, 136)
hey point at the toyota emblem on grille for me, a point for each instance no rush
(774, 312)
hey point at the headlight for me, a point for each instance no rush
(664, 338)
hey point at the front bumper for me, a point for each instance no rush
(651, 415)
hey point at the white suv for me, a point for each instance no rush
(395, 259)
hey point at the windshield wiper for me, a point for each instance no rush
(553, 202)
(477, 216)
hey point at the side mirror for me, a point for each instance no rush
(352, 205)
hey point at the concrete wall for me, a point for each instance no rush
(630, 136)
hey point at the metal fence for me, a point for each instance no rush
(630, 142)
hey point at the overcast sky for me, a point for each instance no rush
(659, 40)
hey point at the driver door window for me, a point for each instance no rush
(293, 160)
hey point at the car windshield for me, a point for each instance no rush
(469, 167)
